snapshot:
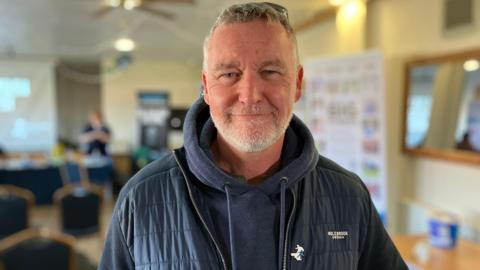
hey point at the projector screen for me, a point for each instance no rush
(27, 106)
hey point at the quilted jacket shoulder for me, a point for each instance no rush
(154, 221)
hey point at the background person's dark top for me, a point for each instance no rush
(96, 145)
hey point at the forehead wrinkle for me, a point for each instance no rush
(271, 62)
(226, 65)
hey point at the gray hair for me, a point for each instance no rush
(241, 13)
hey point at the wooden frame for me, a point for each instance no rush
(319, 17)
(445, 154)
(43, 233)
(21, 193)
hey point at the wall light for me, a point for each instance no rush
(471, 65)
(353, 8)
(351, 11)
(124, 45)
(338, 3)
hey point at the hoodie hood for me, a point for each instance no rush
(298, 154)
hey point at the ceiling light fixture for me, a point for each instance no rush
(471, 65)
(114, 3)
(131, 4)
(124, 45)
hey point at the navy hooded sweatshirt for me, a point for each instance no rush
(252, 217)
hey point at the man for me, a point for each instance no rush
(248, 190)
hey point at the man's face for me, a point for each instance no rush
(251, 82)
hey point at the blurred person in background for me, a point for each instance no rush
(474, 121)
(95, 135)
(471, 137)
(3, 157)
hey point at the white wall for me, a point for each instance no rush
(119, 94)
(76, 97)
(319, 40)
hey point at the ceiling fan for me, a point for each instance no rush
(143, 5)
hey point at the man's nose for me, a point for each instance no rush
(249, 91)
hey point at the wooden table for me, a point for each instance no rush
(465, 256)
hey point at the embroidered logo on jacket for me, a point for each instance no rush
(338, 235)
(299, 253)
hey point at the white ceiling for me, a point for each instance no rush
(67, 29)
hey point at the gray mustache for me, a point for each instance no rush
(250, 110)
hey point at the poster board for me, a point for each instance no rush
(344, 109)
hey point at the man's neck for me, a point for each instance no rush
(254, 167)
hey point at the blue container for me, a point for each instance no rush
(443, 232)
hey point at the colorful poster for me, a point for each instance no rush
(344, 109)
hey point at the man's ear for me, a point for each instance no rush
(298, 90)
(205, 88)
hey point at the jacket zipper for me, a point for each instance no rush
(287, 232)
(198, 212)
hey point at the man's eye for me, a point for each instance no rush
(230, 75)
(270, 72)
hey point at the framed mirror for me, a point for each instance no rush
(442, 107)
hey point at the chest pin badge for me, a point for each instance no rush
(299, 253)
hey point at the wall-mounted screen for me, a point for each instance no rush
(27, 106)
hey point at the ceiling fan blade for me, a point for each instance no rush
(161, 13)
(102, 11)
(170, 1)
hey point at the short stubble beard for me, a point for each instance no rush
(255, 136)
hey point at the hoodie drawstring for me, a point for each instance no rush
(281, 238)
(230, 228)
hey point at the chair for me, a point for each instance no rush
(38, 249)
(15, 205)
(73, 173)
(77, 173)
(80, 207)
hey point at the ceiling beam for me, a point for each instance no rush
(319, 17)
